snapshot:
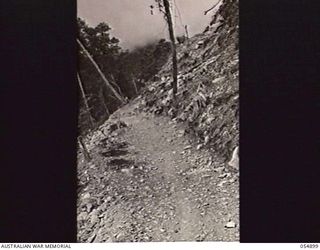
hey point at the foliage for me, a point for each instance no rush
(121, 68)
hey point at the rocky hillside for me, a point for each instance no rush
(208, 90)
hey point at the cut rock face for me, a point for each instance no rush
(234, 162)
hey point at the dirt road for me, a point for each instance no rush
(149, 181)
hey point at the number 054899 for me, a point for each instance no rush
(309, 245)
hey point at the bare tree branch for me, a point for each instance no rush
(206, 12)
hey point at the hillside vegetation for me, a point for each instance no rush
(208, 86)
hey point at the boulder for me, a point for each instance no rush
(234, 162)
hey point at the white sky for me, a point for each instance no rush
(133, 24)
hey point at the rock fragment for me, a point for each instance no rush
(230, 224)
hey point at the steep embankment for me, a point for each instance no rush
(159, 174)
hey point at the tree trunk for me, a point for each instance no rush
(134, 84)
(85, 100)
(113, 81)
(174, 49)
(84, 149)
(104, 103)
(187, 33)
(173, 13)
(119, 97)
